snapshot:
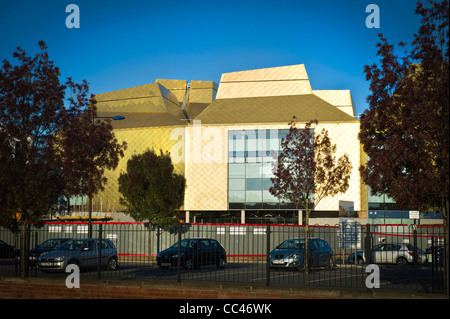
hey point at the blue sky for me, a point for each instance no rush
(122, 44)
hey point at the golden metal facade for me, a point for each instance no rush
(192, 122)
(286, 80)
(206, 167)
(139, 140)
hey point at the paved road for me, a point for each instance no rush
(391, 277)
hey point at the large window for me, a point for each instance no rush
(250, 168)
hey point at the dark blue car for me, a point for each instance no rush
(291, 254)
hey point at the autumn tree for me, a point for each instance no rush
(405, 130)
(49, 143)
(307, 170)
(84, 170)
(151, 190)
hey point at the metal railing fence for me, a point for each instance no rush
(253, 255)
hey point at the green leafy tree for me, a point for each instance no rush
(307, 170)
(151, 190)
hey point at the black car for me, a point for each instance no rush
(7, 251)
(195, 252)
(46, 246)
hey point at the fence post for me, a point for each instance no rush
(415, 242)
(99, 265)
(368, 245)
(179, 254)
(268, 254)
(433, 264)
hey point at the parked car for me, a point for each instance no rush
(390, 253)
(438, 252)
(291, 254)
(195, 252)
(82, 252)
(46, 246)
(7, 251)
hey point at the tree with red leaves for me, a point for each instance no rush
(405, 131)
(50, 144)
(307, 170)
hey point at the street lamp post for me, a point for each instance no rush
(114, 118)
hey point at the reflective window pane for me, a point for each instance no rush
(236, 170)
(236, 184)
(236, 196)
(253, 196)
(253, 170)
(254, 184)
(269, 198)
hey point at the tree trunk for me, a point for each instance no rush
(24, 240)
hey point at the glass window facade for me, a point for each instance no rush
(250, 168)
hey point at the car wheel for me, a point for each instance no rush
(220, 263)
(189, 264)
(112, 264)
(401, 261)
(330, 263)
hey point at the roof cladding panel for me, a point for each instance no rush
(151, 97)
(272, 109)
(285, 80)
(147, 98)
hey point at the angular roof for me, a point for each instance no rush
(177, 87)
(342, 99)
(272, 109)
(152, 97)
(284, 80)
(270, 95)
(165, 102)
(201, 94)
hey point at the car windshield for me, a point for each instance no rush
(185, 243)
(73, 244)
(51, 243)
(292, 244)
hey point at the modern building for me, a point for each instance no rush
(221, 137)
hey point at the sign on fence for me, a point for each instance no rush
(349, 230)
(349, 233)
(414, 214)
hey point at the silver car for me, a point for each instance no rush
(82, 252)
(390, 253)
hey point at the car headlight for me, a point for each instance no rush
(176, 255)
(60, 258)
(293, 256)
